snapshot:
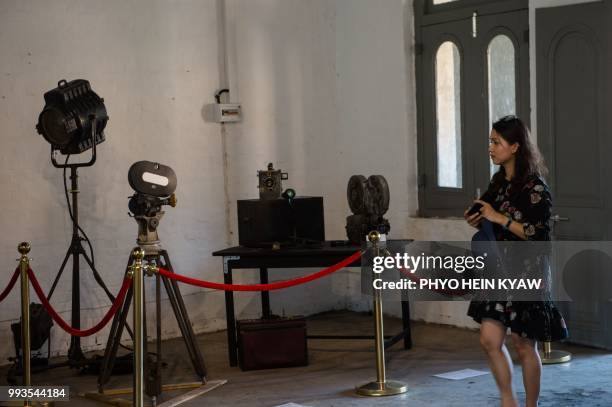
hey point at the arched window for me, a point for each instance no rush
(448, 115)
(501, 80)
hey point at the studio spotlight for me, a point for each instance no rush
(74, 117)
(73, 121)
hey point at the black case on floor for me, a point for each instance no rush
(272, 343)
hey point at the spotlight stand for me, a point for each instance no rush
(76, 357)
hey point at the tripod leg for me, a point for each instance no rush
(59, 274)
(96, 275)
(185, 327)
(149, 368)
(114, 337)
(158, 357)
(176, 300)
(100, 282)
(75, 353)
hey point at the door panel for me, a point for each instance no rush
(573, 59)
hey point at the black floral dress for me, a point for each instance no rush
(537, 320)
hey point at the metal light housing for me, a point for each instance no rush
(74, 117)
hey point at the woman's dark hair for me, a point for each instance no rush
(528, 160)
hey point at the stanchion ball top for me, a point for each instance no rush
(24, 248)
(374, 236)
(138, 253)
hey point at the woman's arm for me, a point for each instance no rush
(534, 222)
(492, 215)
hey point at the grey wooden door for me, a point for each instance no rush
(573, 61)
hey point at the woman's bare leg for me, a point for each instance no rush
(492, 336)
(527, 351)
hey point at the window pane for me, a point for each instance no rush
(442, 1)
(501, 80)
(448, 116)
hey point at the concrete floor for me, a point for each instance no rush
(336, 367)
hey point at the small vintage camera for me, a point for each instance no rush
(270, 182)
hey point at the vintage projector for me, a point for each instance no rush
(277, 219)
(369, 201)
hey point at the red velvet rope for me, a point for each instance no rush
(261, 287)
(63, 324)
(10, 285)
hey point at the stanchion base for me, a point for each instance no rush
(387, 388)
(165, 387)
(555, 356)
(111, 396)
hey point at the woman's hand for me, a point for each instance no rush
(473, 219)
(487, 212)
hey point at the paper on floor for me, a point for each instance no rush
(461, 374)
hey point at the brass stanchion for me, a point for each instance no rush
(137, 276)
(24, 265)
(381, 387)
(550, 356)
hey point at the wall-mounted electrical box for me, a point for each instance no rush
(223, 112)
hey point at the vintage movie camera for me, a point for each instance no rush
(270, 182)
(154, 185)
(369, 201)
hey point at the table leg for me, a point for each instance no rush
(265, 295)
(406, 324)
(230, 318)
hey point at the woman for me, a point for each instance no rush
(518, 205)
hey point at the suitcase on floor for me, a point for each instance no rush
(272, 343)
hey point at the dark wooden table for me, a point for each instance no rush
(320, 256)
